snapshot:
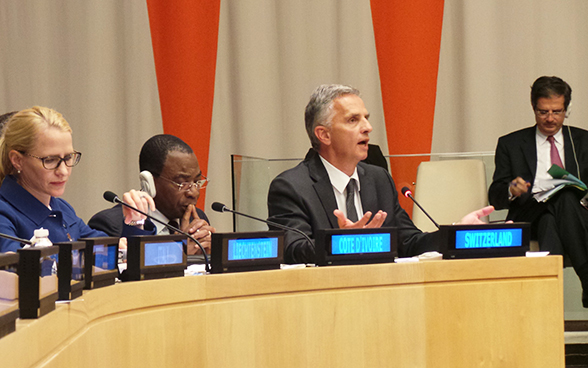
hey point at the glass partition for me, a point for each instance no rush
(251, 180)
(252, 177)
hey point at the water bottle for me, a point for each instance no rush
(41, 238)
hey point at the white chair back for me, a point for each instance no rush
(448, 190)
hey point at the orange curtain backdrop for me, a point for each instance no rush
(184, 34)
(408, 41)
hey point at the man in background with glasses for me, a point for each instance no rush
(170, 173)
(522, 161)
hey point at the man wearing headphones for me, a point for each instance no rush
(522, 160)
(171, 175)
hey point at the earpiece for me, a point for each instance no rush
(147, 183)
(568, 110)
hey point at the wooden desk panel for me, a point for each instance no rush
(460, 313)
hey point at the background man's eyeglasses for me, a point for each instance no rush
(545, 113)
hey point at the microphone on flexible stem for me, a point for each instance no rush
(408, 194)
(111, 197)
(10, 237)
(219, 207)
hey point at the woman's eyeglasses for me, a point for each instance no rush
(53, 162)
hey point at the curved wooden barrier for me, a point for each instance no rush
(462, 313)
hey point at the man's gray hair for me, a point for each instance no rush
(319, 107)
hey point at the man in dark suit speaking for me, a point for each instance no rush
(522, 160)
(333, 189)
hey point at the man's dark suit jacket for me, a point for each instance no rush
(111, 220)
(303, 198)
(516, 155)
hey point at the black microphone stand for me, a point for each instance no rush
(408, 193)
(219, 207)
(10, 237)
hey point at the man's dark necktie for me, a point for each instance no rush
(350, 201)
(555, 159)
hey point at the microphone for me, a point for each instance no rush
(111, 197)
(10, 237)
(408, 194)
(219, 207)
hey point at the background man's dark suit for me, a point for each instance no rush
(111, 220)
(516, 155)
(303, 198)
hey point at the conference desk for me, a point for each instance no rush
(502, 312)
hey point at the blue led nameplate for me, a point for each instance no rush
(253, 248)
(105, 257)
(360, 243)
(491, 238)
(167, 253)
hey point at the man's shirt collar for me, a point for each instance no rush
(558, 137)
(338, 178)
(161, 217)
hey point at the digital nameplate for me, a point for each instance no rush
(360, 243)
(164, 253)
(252, 248)
(490, 238)
(106, 257)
